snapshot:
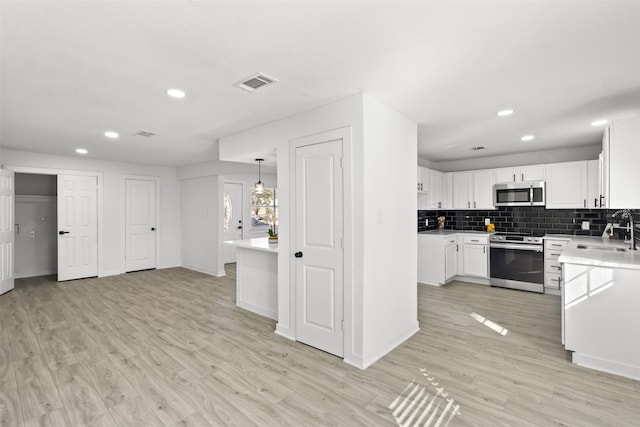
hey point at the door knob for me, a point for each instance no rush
(298, 254)
(62, 232)
(153, 229)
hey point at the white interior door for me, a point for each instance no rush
(77, 227)
(318, 234)
(7, 235)
(232, 220)
(140, 225)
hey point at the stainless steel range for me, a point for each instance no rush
(517, 261)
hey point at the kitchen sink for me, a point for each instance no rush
(602, 248)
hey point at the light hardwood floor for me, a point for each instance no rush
(169, 347)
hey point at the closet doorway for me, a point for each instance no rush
(36, 225)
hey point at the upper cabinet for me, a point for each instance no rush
(595, 196)
(472, 190)
(567, 185)
(437, 187)
(520, 174)
(621, 157)
(423, 179)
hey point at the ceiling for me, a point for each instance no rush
(72, 70)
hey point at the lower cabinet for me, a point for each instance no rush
(441, 257)
(476, 256)
(552, 268)
(437, 258)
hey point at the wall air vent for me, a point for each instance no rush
(255, 81)
(144, 133)
(478, 148)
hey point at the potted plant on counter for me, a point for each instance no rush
(273, 233)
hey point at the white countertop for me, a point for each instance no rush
(259, 244)
(452, 232)
(599, 257)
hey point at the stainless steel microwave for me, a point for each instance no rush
(530, 193)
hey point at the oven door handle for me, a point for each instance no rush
(535, 248)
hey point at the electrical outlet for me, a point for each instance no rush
(487, 221)
(32, 234)
(586, 225)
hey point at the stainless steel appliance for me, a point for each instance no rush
(517, 261)
(519, 194)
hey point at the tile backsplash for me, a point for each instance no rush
(524, 219)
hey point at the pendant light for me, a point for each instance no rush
(258, 188)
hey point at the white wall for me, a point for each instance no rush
(112, 246)
(361, 163)
(36, 185)
(390, 239)
(200, 224)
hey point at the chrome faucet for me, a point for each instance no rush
(626, 214)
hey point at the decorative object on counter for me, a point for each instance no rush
(441, 220)
(491, 227)
(273, 233)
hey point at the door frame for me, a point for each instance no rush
(123, 185)
(100, 199)
(350, 318)
(242, 213)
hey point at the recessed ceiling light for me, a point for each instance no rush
(81, 151)
(600, 122)
(527, 137)
(176, 93)
(111, 134)
(503, 113)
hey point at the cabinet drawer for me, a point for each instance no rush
(552, 254)
(556, 245)
(551, 266)
(476, 240)
(552, 280)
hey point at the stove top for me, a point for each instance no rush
(507, 237)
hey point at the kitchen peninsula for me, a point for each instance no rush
(601, 302)
(257, 276)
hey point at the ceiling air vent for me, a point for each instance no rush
(255, 81)
(479, 147)
(144, 133)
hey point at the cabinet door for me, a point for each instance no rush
(532, 173)
(462, 190)
(475, 260)
(624, 152)
(507, 175)
(423, 179)
(436, 190)
(483, 189)
(567, 185)
(605, 168)
(450, 261)
(593, 184)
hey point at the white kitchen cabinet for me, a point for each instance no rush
(473, 190)
(462, 188)
(483, 181)
(437, 258)
(476, 256)
(595, 197)
(437, 184)
(553, 248)
(567, 185)
(423, 179)
(520, 174)
(621, 151)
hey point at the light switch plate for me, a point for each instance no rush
(487, 221)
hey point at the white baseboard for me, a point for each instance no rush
(202, 270)
(610, 366)
(262, 311)
(284, 332)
